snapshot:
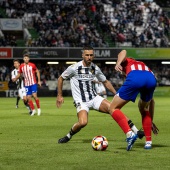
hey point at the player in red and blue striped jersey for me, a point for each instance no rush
(139, 79)
(29, 71)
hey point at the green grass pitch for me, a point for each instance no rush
(31, 142)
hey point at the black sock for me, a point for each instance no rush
(26, 103)
(18, 98)
(72, 133)
(130, 123)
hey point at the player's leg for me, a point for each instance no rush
(29, 99)
(120, 118)
(22, 94)
(82, 122)
(37, 101)
(146, 95)
(25, 101)
(17, 100)
(104, 107)
(146, 122)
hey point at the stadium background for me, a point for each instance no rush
(31, 142)
(52, 32)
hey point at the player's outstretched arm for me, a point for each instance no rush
(60, 99)
(109, 86)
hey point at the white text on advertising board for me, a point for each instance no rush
(102, 53)
(3, 53)
(51, 53)
(11, 93)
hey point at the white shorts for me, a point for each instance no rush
(22, 92)
(92, 104)
(100, 88)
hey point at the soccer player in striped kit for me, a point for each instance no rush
(139, 79)
(20, 85)
(85, 97)
(29, 71)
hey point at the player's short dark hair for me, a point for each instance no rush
(26, 52)
(88, 48)
(16, 60)
(26, 55)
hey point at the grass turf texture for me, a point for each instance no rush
(31, 142)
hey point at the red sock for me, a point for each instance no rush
(147, 125)
(31, 105)
(37, 103)
(120, 118)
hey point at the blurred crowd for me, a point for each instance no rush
(52, 72)
(99, 23)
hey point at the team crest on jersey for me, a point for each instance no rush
(92, 70)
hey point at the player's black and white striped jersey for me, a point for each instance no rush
(81, 80)
(19, 82)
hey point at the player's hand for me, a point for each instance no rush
(39, 83)
(118, 67)
(155, 130)
(14, 79)
(59, 101)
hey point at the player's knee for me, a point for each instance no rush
(83, 123)
(111, 110)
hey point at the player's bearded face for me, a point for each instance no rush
(88, 56)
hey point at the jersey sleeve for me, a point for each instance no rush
(34, 66)
(68, 73)
(100, 76)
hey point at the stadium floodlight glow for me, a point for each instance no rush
(71, 62)
(52, 62)
(110, 62)
(165, 62)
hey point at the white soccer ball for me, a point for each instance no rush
(99, 143)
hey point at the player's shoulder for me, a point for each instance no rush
(75, 65)
(30, 63)
(94, 66)
(12, 72)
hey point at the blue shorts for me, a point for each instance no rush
(31, 89)
(143, 82)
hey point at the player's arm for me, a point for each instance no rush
(155, 129)
(109, 86)
(60, 98)
(38, 76)
(121, 58)
(68, 73)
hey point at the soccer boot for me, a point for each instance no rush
(65, 139)
(140, 134)
(16, 106)
(131, 140)
(33, 112)
(148, 145)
